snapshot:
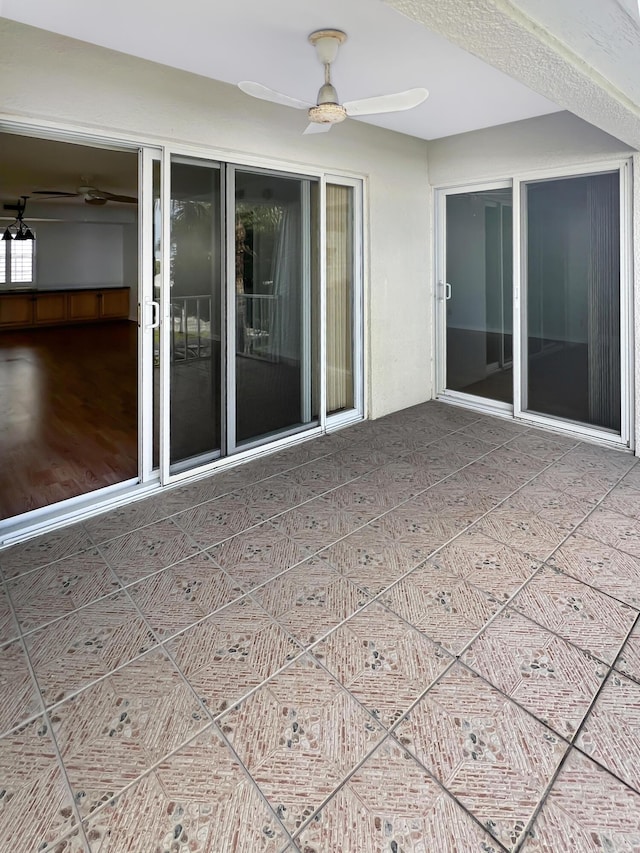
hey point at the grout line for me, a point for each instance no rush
(552, 781)
(307, 651)
(49, 730)
(211, 723)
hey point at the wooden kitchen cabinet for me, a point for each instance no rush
(49, 308)
(16, 310)
(61, 307)
(114, 303)
(83, 305)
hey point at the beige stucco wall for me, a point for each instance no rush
(559, 140)
(63, 81)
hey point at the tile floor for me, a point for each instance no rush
(417, 635)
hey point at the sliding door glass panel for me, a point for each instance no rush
(573, 299)
(340, 298)
(274, 370)
(157, 277)
(195, 321)
(479, 294)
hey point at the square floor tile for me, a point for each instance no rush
(19, 698)
(198, 800)
(591, 457)
(300, 735)
(8, 625)
(257, 555)
(588, 486)
(115, 730)
(486, 563)
(629, 660)
(36, 808)
(43, 549)
(611, 733)
(401, 479)
(319, 523)
(542, 445)
(614, 529)
(216, 520)
(52, 591)
(582, 615)
(175, 598)
(550, 504)
(416, 526)
(231, 652)
(318, 476)
(372, 559)
(491, 755)
(310, 599)
(599, 565)
(363, 499)
(586, 810)
(514, 462)
(515, 524)
(87, 644)
(442, 605)
(391, 804)
(382, 661)
(147, 550)
(624, 499)
(273, 496)
(483, 479)
(125, 519)
(548, 676)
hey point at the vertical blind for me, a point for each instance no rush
(340, 390)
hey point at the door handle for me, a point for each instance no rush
(447, 290)
(155, 308)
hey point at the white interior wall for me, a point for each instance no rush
(63, 81)
(78, 254)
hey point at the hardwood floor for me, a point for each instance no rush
(68, 412)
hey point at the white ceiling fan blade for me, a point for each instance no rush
(387, 103)
(257, 90)
(317, 127)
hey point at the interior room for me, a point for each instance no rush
(68, 332)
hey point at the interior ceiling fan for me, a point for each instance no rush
(328, 110)
(92, 195)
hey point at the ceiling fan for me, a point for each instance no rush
(328, 110)
(92, 195)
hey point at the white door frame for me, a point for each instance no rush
(518, 411)
(520, 341)
(441, 292)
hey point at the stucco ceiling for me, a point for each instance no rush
(604, 33)
(233, 40)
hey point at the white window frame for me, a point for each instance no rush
(8, 282)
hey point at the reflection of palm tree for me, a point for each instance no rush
(191, 223)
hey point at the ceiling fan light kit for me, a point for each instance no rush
(328, 110)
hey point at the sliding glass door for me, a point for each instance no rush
(273, 282)
(571, 344)
(195, 307)
(477, 293)
(553, 349)
(240, 348)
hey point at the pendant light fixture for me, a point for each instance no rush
(20, 227)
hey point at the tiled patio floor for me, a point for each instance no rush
(417, 635)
